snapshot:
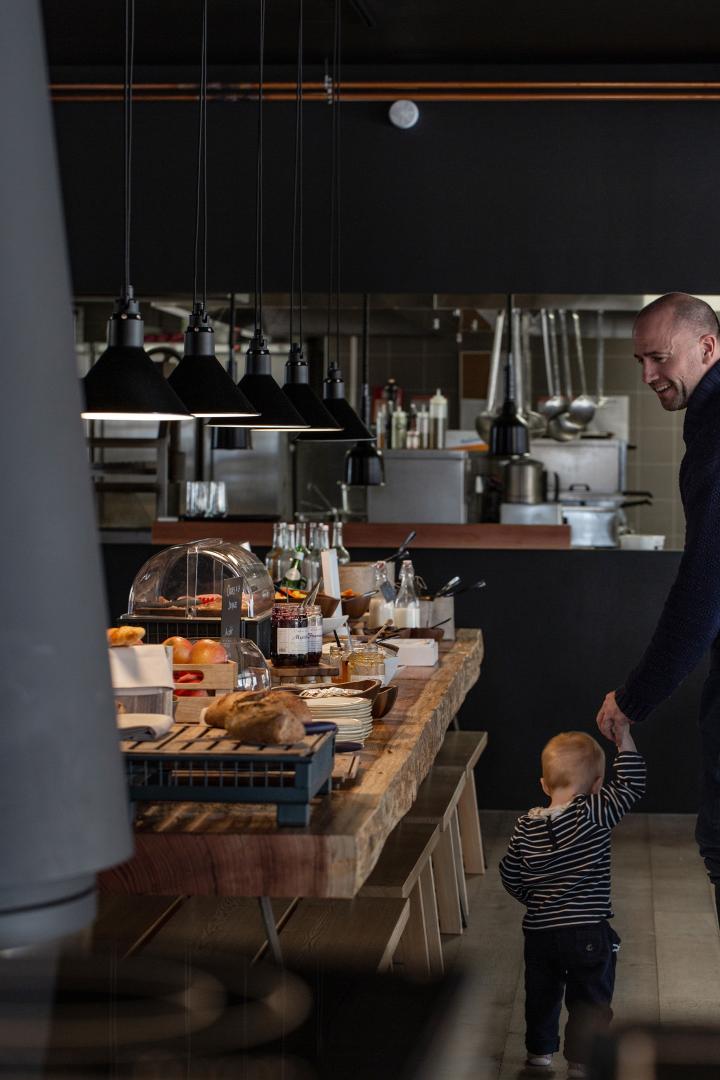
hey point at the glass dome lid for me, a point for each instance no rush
(186, 581)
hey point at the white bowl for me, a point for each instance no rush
(638, 542)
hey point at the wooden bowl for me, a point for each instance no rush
(369, 688)
(355, 606)
(327, 605)
(384, 701)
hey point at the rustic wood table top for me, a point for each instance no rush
(226, 849)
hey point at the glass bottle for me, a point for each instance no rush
(343, 554)
(273, 559)
(406, 611)
(382, 605)
(315, 634)
(312, 564)
(294, 577)
(399, 429)
(288, 550)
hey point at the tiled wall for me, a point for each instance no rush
(657, 436)
(420, 365)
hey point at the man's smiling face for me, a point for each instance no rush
(673, 355)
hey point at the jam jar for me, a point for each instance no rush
(289, 635)
(315, 634)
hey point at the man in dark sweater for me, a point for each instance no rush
(677, 344)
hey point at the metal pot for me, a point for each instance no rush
(526, 481)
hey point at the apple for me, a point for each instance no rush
(181, 648)
(207, 651)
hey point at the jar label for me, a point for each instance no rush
(292, 640)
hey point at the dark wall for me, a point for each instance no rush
(561, 630)
(571, 197)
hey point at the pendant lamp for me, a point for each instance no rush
(199, 380)
(364, 463)
(124, 383)
(509, 432)
(334, 400)
(297, 383)
(276, 411)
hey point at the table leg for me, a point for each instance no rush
(268, 919)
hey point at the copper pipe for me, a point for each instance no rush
(350, 99)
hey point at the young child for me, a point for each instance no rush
(558, 865)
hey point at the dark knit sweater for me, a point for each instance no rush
(690, 621)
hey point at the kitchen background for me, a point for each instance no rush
(424, 341)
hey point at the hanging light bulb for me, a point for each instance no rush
(199, 380)
(276, 411)
(124, 383)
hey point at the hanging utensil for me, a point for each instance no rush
(521, 347)
(468, 588)
(582, 408)
(600, 359)
(402, 551)
(483, 422)
(554, 403)
(562, 428)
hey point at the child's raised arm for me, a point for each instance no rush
(627, 785)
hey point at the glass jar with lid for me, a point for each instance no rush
(315, 634)
(289, 635)
(366, 661)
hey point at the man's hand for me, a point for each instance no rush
(611, 720)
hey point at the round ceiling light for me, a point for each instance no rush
(404, 114)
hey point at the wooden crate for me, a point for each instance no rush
(218, 679)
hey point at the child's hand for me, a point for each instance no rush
(621, 734)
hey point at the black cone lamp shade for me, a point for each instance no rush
(334, 400)
(276, 411)
(200, 380)
(297, 388)
(124, 383)
(231, 438)
(364, 466)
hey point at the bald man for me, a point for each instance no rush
(677, 344)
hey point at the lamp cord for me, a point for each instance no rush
(334, 239)
(201, 173)
(127, 138)
(259, 178)
(297, 247)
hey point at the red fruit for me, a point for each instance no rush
(181, 648)
(207, 651)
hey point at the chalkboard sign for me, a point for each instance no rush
(231, 618)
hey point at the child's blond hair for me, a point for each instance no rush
(572, 758)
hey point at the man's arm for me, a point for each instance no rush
(690, 620)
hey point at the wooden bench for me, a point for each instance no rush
(362, 934)
(436, 804)
(462, 749)
(404, 870)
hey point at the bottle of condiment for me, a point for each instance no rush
(399, 429)
(343, 554)
(381, 423)
(315, 634)
(406, 611)
(423, 427)
(289, 646)
(286, 558)
(382, 605)
(438, 420)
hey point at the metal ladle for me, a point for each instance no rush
(554, 403)
(582, 408)
(562, 427)
(521, 350)
(484, 421)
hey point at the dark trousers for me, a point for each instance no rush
(707, 831)
(579, 963)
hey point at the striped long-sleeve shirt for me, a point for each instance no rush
(558, 864)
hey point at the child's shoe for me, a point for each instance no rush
(539, 1061)
(576, 1071)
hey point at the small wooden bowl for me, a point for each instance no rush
(355, 606)
(384, 701)
(327, 605)
(369, 688)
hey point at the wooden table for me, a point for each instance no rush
(226, 850)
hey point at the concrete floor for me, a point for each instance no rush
(669, 963)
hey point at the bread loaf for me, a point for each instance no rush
(264, 722)
(293, 703)
(226, 706)
(125, 635)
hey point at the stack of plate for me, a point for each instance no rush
(353, 715)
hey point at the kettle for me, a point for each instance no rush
(526, 481)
